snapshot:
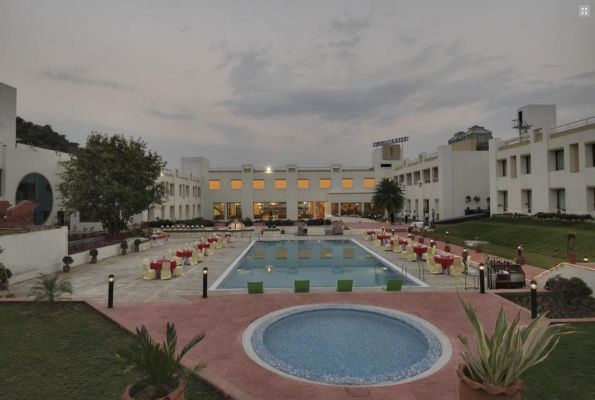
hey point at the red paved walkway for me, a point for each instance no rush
(224, 319)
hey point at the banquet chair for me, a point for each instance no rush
(179, 260)
(376, 241)
(165, 271)
(433, 267)
(179, 271)
(411, 256)
(223, 241)
(232, 239)
(171, 253)
(149, 274)
(428, 254)
(366, 236)
(457, 268)
(218, 244)
(199, 255)
(387, 246)
(210, 251)
(397, 247)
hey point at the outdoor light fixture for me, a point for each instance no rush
(268, 170)
(520, 249)
(533, 286)
(585, 259)
(432, 243)
(269, 268)
(110, 293)
(482, 268)
(205, 274)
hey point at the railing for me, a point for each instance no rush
(431, 155)
(514, 140)
(435, 180)
(575, 124)
(89, 243)
(354, 168)
(234, 169)
(427, 180)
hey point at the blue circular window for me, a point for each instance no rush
(37, 190)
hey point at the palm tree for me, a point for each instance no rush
(388, 196)
(49, 288)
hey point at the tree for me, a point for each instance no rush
(112, 178)
(388, 196)
(43, 136)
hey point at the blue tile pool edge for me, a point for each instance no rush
(440, 347)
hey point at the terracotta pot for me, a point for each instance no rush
(93, 260)
(66, 269)
(571, 258)
(471, 390)
(136, 249)
(177, 394)
(3, 285)
(447, 248)
(123, 252)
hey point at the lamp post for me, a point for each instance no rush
(585, 259)
(482, 268)
(432, 243)
(110, 293)
(205, 274)
(533, 286)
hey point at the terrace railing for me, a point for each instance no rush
(575, 124)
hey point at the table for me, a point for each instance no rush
(204, 246)
(445, 262)
(185, 254)
(157, 264)
(419, 225)
(382, 238)
(419, 250)
(156, 240)
(212, 240)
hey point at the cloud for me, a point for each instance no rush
(80, 77)
(175, 116)
(350, 25)
(585, 75)
(347, 43)
(185, 29)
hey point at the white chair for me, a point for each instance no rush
(387, 246)
(171, 253)
(179, 260)
(434, 268)
(165, 271)
(457, 268)
(218, 244)
(179, 271)
(149, 274)
(210, 250)
(232, 239)
(223, 241)
(396, 247)
(411, 256)
(428, 254)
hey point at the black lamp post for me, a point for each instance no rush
(520, 249)
(533, 286)
(110, 293)
(432, 243)
(205, 274)
(482, 288)
(585, 259)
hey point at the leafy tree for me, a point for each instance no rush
(43, 136)
(113, 178)
(388, 196)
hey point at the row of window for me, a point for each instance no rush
(281, 184)
(278, 210)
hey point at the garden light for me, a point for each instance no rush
(585, 259)
(482, 288)
(533, 286)
(110, 293)
(205, 274)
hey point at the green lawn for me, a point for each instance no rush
(540, 238)
(568, 372)
(62, 355)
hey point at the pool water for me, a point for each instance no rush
(279, 263)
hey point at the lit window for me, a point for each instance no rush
(325, 183)
(369, 183)
(258, 184)
(280, 184)
(236, 184)
(347, 183)
(214, 184)
(303, 183)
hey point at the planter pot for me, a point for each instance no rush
(571, 258)
(124, 252)
(471, 390)
(136, 249)
(93, 260)
(3, 285)
(478, 249)
(177, 394)
(66, 269)
(447, 248)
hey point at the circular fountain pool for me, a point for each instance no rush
(346, 344)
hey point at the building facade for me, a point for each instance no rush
(183, 198)
(547, 168)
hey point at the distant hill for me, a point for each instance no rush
(43, 136)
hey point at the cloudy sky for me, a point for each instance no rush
(307, 82)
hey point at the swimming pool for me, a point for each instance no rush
(346, 344)
(279, 263)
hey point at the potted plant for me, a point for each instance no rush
(478, 247)
(5, 275)
(93, 253)
(124, 247)
(67, 260)
(467, 201)
(477, 199)
(570, 257)
(137, 245)
(158, 363)
(493, 370)
(528, 207)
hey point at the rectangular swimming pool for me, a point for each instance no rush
(323, 262)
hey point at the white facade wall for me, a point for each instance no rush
(183, 200)
(576, 181)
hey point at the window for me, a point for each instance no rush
(349, 209)
(187, 191)
(525, 165)
(370, 183)
(303, 183)
(172, 212)
(171, 189)
(560, 199)
(305, 209)
(258, 184)
(325, 183)
(214, 184)
(347, 183)
(574, 161)
(181, 190)
(218, 210)
(385, 165)
(37, 190)
(513, 167)
(270, 210)
(559, 160)
(234, 210)
(280, 184)
(504, 167)
(235, 184)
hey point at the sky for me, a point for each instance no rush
(285, 82)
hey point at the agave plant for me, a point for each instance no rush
(159, 363)
(501, 360)
(50, 288)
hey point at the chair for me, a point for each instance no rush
(165, 271)
(304, 253)
(218, 244)
(210, 250)
(348, 252)
(259, 254)
(178, 260)
(433, 267)
(199, 255)
(457, 268)
(171, 253)
(150, 274)
(281, 254)
(345, 285)
(387, 247)
(179, 271)
(411, 256)
(301, 286)
(366, 236)
(393, 285)
(255, 287)
(428, 254)
(397, 247)
(376, 242)
(326, 253)
(232, 239)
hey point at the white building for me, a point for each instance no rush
(183, 197)
(441, 181)
(548, 168)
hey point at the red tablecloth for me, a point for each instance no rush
(157, 264)
(419, 250)
(203, 246)
(383, 237)
(227, 235)
(184, 253)
(403, 242)
(370, 232)
(158, 237)
(445, 261)
(212, 240)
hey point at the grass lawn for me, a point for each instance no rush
(568, 372)
(540, 238)
(62, 355)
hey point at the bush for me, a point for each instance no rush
(568, 291)
(248, 222)
(563, 217)
(277, 222)
(5, 273)
(195, 221)
(93, 253)
(318, 222)
(124, 245)
(67, 260)
(137, 242)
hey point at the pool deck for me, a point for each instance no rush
(224, 319)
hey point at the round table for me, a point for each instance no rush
(382, 238)
(445, 262)
(212, 240)
(419, 250)
(185, 254)
(158, 264)
(203, 246)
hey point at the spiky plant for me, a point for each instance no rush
(159, 363)
(50, 287)
(388, 196)
(500, 360)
